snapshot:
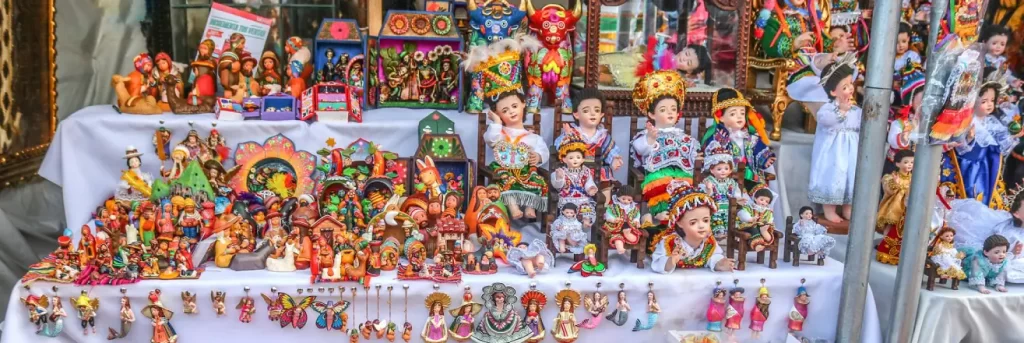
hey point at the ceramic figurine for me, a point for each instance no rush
(688, 243)
(589, 266)
(134, 92)
(188, 300)
(299, 66)
(717, 309)
(757, 218)
(574, 181)
(653, 309)
(947, 259)
(490, 23)
(274, 307)
(248, 86)
(739, 129)
(814, 238)
(203, 80)
(57, 316)
(407, 327)
(294, 314)
(911, 94)
(620, 315)
(246, 307)
(759, 313)
(165, 68)
(988, 266)
(162, 142)
(567, 232)
(595, 305)
(798, 315)
(500, 323)
(601, 147)
(665, 152)
(269, 76)
(38, 311)
(532, 258)
(734, 313)
(353, 334)
(534, 302)
(622, 220)
(163, 332)
(366, 328)
(217, 145)
(332, 316)
(565, 328)
(127, 318)
(282, 259)
(835, 142)
(720, 185)
(217, 297)
(135, 185)
(463, 318)
(87, 308)
(893, 208)
(549, 69)
(996, 38)
(435, 330)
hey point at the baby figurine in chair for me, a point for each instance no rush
(757, 219)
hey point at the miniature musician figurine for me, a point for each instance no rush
(135, 184)
(87, 308)
(740, 130)
(574, 181)
(567, 232)
(834, 156)
(757, 218)
(517, 152)
(688, 243)
(720, 186)
(666, 153)
(717, 309)
(893, 208)
(798, 315)
(600, 146)
(595, 305)
(814, 238)
(759, 313)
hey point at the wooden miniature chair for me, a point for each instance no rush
(486, 174)
(752, 61)
(791, 250)
(931, 274)
(596, 165)
(738, 240)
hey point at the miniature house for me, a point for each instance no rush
(450, 234)
(280, 106)
(339, 55)
(418, 61)
(439, 141)
(330, 101)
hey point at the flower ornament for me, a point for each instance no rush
(441, 147)
(399, 24)
(441, 25)
(418, 56)
(340, 30)
(420, 24)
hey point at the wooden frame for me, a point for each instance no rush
(752, 60)
(28, 88)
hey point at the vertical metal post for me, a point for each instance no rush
(870, 158)
(918, 217)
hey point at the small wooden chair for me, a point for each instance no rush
(637, 252)
(791, 250)
(554, 163)
(931, 274)
(738, 240)
(486, 175)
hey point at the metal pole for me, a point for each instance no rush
(870, 158)
(918, 217)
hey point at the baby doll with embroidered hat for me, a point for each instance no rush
(689, 243)
(718, 162)
(574, 181)
(740, 129)
(589, 113)
(517, 152)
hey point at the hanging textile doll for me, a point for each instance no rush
(689, 242)
(716, 309)
(517, 152)
(893, 208)
(834, 156)
(739, 122)
(980, 157)
(911, 93)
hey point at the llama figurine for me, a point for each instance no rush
(430, 178)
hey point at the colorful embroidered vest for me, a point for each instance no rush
(675, 148)
(693, 262)
(511, 153)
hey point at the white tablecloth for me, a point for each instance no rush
(683, 295)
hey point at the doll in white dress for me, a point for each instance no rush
(567, 232)
(943, 254)
(814, 239)
(975, 222)
(834, 156)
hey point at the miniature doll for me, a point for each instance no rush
(622, 220)
(204, 77)
(331, 316)
(911, 94)
(694, 63)
(135, 184)
(739, 129)
(987, 145)
(798, 314)
(689, 242)
(326, 72)
(666, 153)
(56, 319)
(163, 332)
(127, 318)
(463, 316)
(435, 330)
(530, 259)
(814, 238)
(653, 309)
(565, 328)
(500, 322)
(720, 186)
(600, 146)
(574, 181)
(734, 313)
(589, 265)
(165, 70)
(269, 76)
(217, 145)
(534, 302)
(567, 232)
(188, 303)
(218, 302)
(833, 158)
(893, 208)
(988, 266)
(757, 219)
(759, 313)
(87, 308)
(595, 306)
(247, 308)
(248, 85)
(299, 66)
(137, 91)
(717, 309)
(904, 54)
(947, 259)
(229, 71)
(995, 38)
(38, 313)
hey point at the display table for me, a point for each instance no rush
(683, 295)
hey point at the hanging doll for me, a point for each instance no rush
(56, 318)
(463, 316)
(666, 152)
(574, 181)
(532, 258)
(500, 323)
(517, 152)
(435, 330)
(716, 309)
(127, 318)
(567, 233)
(740, 129)
(988, 266)
(620, 315)
(549, 69)
(911, 93)
(534, 302)
(217, 145)
(87, 308)
(893, 208)
(734, 313)
(38, 312)
(834, 155)
(622, 220)
(653, 309)
(595, 305)
(947, 259)
(759, 313)
(694, 64)
(565, 328)
(995, 38)
(689, 242)
(589, 114)
(814, 238)
(757, 219)
(988, 142)
(798, 314)
(163, 332)
(720, 186)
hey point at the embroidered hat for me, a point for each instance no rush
(500, 65)
(685, 198)
(571, 142)
(657, 84)
(912, 77)
(716, 152)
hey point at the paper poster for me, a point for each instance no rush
(225, 21)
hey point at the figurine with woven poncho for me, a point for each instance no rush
(740, 129)
(911, 93)
(665, 151)
(688, 243)
(574, 181)
(834, 156)
(718, 160)
(757, 218)
(589, 113)
(517, 152)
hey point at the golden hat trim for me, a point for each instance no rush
(739, 101)
(573, 296)
(435, 297)
(566, 147)
(657, 84)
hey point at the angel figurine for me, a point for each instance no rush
(566, 330)
(247, 307)
(188, 300)
(621, 312)
(436, 328)
(595, 305)
(530, 259)
(218, 302)
(38, 310)
(332, 315)
(461, 329)
(274, 307)
(87, 308)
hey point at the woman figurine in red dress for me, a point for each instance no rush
(798, 314)
(717, 308)
(759, 313)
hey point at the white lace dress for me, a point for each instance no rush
(974, 222)
(814, 239)
(537, 247)
(569, 229)
(834, 156)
